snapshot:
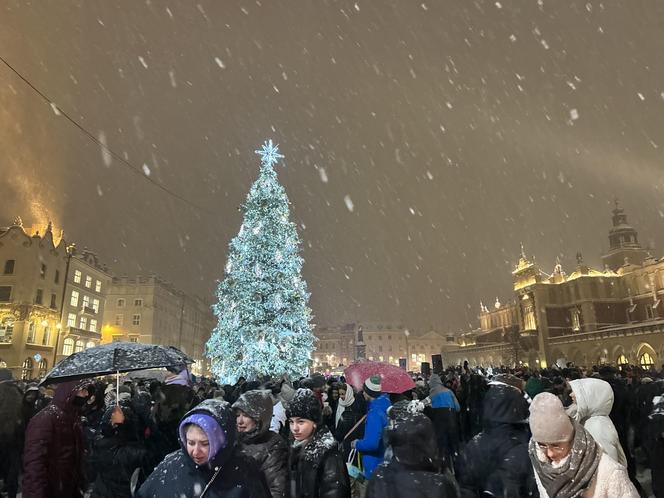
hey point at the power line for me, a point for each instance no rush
(122, 160)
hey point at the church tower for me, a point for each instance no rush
(624, 247)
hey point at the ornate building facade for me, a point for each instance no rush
(340, 346)
(586, 317)
(149, 310)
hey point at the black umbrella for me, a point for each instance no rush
(115, 358)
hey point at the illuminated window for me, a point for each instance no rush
(576, 320)
(90, 344)
(83, 323)
(43, 368)
(86, 301)
(95, 305)
(80, 346)
(88, 281)
(46, 338)
(646, 361)
(74, 298)
(31, 333)
(68, 346)
(26, 370)
(622, 360)
(71, 320)
(133, 339)
(93, 325)
(77, 276)
(98, 286)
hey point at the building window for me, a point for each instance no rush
(71, 320)
(98, 286)
(9, 266)
(53, 299)
(46, 338)
(80, 346)
(42, 271)
(576, 320)
(119, 319)
(121, 303)
(31, 333)
(136, 319)
(88, 281)
(646, 361)
(43, 367)
(133, 339)
(90, 344)
(26, 370)
(39, 298)
(95, 305)
(622, 360)
(5, 293)
(83, 324)
(74, 298)
(77, 276)
(117, 338)
(86, 301)
(650, 313)
(138, 302)
(93, 325)
(68, 346)
(57, 276)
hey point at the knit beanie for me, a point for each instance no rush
(372, 386)
(305, 404)
(548, 421)
(216, 435)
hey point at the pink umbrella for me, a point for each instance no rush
(393, 378)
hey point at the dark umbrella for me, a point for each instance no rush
(115, 358)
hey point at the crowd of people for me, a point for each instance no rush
(552, 433)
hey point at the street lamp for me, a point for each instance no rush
(407, 333)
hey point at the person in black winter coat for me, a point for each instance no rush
(316, 468)
(12, 427)
(118, 453)
(414, 470)
(255, 439)
(350, 409)
(496, 461)
(208, 461)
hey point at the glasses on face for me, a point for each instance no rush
(554, 447)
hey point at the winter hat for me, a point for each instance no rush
(216, 435)
(258, 405)
(314, 381)
(372, 386)
(305, 404)
(548, 421)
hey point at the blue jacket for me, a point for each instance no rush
(445, 399)
(371, 445)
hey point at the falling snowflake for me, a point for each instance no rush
(220, 63)
(573, 114)
(146, 169)
(56, 111)
(142, 61)
(323, 175)
(349, 203)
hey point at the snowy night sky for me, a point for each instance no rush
(424, 141)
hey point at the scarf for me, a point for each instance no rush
(575, 475)
(344, 403)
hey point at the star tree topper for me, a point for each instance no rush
(269, 153)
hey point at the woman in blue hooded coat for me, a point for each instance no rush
(208, 463)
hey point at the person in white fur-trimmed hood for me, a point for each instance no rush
(567, 461)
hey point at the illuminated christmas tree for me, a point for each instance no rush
(262, 308)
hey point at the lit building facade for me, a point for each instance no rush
(586, 317)
(32, 285)
(87, 284)
(148, 310)
(340, 346)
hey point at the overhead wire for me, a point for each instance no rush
(118, 157)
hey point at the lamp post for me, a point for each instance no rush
(407, 333)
